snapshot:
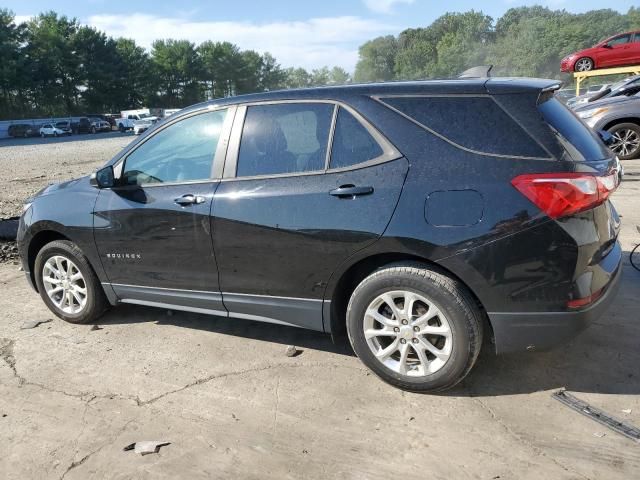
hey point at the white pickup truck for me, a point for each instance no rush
(129, 117)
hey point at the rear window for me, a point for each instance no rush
(474, 123)
(578, 140)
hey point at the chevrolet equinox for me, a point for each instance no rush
(417, 217)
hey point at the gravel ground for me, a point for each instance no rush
(234, 405)
(27, 165)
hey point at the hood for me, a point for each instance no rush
(67, 186)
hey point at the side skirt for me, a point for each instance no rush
(293, 312)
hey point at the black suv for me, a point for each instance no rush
(418, 217)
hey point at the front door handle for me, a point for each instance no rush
(350, 191)
(189, 199)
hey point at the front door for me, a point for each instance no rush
(615, 52)
(153, 229)
(286, 217)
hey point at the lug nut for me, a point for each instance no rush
(415, 340)
(396, 329)
(402, 340)
(416, 329)
(405, 322)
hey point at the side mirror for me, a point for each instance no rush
(606, 45)
(103, 178)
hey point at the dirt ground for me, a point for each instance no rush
(233, 405)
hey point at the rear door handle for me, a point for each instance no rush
(189, 199)
(350, 191)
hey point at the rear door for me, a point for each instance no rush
(295, 202)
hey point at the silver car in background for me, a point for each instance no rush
(620, 116)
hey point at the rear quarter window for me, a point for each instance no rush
(578, 140)
(474, 123)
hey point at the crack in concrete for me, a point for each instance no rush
(537, 450)
(6, 353)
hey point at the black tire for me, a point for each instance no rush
(42, 135)
(586, 61)
(55, 134)
(618, 132)
(121, 128)
(96, 301)
(93, 130)
(451, 298)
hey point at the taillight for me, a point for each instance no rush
(562, 194)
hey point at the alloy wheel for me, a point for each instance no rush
(625, 142)
(584, 65)
(408, 333)
(64, 284)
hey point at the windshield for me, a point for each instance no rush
(144, 115)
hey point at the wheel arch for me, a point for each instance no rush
(616, 121)
(358, 271)
(39, 240)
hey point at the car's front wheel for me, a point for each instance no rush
(626, 140)
(584, 64)
(415, 327)
(68, 284)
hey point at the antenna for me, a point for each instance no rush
(481, 71)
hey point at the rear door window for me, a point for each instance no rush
(284, 138)
(352, 142)
(478, 124)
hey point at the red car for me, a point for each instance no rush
(617, 51)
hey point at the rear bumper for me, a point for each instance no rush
(520, 332)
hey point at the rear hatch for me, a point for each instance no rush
(576, 194)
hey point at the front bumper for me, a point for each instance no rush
(520, 332)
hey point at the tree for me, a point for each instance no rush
(135, 85)
(339, 76)
(377, 60)
(178, 68)
(12, 75)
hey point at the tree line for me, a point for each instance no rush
(52, 65)
(525, 41)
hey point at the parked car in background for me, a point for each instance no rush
(129, 117)
(65, 126)
(627, 87)
(23, 130)
(140, 126)
(616, 51)
(52, 130)
(620, 116)
(99, 125)
(417, 217)
(83, 125)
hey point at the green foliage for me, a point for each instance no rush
(52, 65)
(377, 60)
(525, 41)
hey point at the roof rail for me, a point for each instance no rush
(481, 71)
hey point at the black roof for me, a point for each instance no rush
(494, 85)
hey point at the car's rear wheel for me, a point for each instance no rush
(415, 327)
(583, 64)
(42, 134)
(55, 134)
(68, 284)
(626, 140)
(121, 128)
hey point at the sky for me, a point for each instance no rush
(310, 34)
